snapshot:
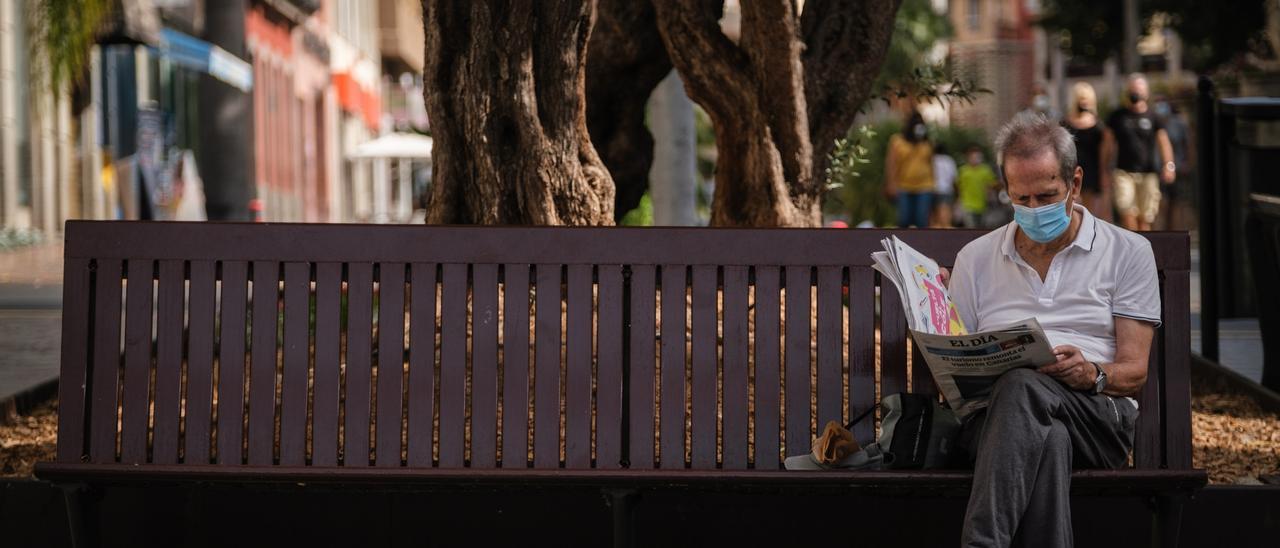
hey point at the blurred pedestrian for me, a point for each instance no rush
(944, 178)
(1082, 123)
(1172, 212)
(908, 170)
(1143, 158)
(974, 183)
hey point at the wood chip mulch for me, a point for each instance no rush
(1235, 440)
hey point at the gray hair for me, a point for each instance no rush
(1031, 133)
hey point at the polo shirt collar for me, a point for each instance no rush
(1084, 237)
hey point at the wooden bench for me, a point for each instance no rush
(566, 338)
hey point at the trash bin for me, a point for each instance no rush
(1262, 228)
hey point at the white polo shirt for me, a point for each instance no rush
(1106, 272)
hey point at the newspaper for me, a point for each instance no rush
(964, 365)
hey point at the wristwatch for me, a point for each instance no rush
(1100, 382)
(1170, 166)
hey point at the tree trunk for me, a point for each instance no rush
(505, 94)
(779, 98)
(626, 62)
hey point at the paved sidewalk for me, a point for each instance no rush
(30, 317)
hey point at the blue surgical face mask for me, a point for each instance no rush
(1043, 224)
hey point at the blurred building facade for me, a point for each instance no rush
(324, 78)
(999, 44)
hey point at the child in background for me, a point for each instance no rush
(974, 184)
(944, 177)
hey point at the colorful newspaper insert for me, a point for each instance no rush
(930, 302)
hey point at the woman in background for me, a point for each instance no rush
(1082, 123)
(908, 172)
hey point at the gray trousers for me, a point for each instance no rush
(1024, 446)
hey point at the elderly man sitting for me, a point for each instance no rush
(1093, 287)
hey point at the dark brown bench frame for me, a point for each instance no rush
(607, 276)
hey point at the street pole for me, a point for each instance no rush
(673, 183)
(1130, 56)
(225, 150)
(1206, 155)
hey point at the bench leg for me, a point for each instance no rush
(73, 498)
(622, 501)
(1167, 521)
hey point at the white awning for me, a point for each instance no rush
(395, 145)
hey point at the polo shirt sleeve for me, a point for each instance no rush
(963, 289)
(1137, 294)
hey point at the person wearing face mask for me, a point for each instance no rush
(974, 184)
(1093, 287)
(908, 172)
(1143, 158)
(1082, 123)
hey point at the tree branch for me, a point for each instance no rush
(712, 67)
(845, 44)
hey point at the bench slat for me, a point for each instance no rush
(390, 362)
(577, 382)
(453, 365)
(355, 447)
(862, 349)
(293, 390)
(484, 366)
(137, 362)
(705, 367)
(168, 384)
(515, 366)
(893, 341)
(73, 378)
(422, 363)
(798, 360)
(921, 378)
(672, 391)
(736, 346)
(200, 325)
(609, 328)
(235, 296)
(106, 361)
(263, 362)
(643, 351)
(546, 401)
(328, 379)
(1148, 438)
(830, 361)
(767, 385)
(1175, 335)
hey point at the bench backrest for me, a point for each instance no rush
(482, 347)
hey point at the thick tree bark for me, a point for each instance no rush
(779, 98)
(626, 60)
(505, 93)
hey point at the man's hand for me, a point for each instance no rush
(1168, 176)
(1071, 368)
(944, 276)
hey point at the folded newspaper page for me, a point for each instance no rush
(964, 365)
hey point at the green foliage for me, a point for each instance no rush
(642, 215)
(917, 31)
(1213, 33)
(61, 33)
(857, 173)
(856, 176)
